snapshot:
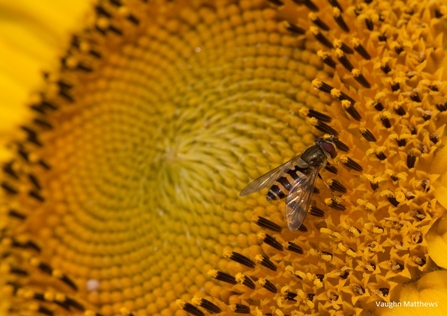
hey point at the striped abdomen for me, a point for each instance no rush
(282, 186)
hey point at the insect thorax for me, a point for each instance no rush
(314, 156)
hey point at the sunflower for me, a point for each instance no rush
(121, 191)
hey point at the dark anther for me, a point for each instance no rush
(132, 18)
(210, 306)
(319, 116)
(351, 164)
(385, 121)
(336, 205)
(266, 262)
(340, 21)
(45, 268)
(276, 2)
(411, 159)
(248, 282)
(34, 181)
(322, 86)
(321, 38)
(294, 28)
(69, 282)
(415, 97)
(271, 241)
(434, 138)
(64, 94)
(382, 38)
(8, 169)
(344, 274)
(290, 296)
(14, 213)
(8, 188)
(315, 211)
(328, 60)
(115, 30)
(374, 185)
(398, 49)
(340, 145)
(353, 111)
(317, 21)
(36, 195)
(343, 96)
(385, 68)
(23, 153)
(294, 248)
(331, 168)
(381, 156)
(31, 135)
(385, 291)
(269, 286)
(441, 107)
(369, 24)
(18, 271)
(426, 115)
(189, 308)
(83, 67)
(32, 245)
(225, 277)
(401, 142)
(323, 127)
(43, 123)
(433, 87)
(75, 304)
(344, 60)
(392, 200)
(400, 111)
(337, 186)
(45, 165)
(360, 78)
(308, 3)
(345, 48)
(362, 51)
(45, 311)
(101, 11)
(267, 224)
(240, 258)
(395, 86)
(242, 309)
(335, 4)
(100, 30)
(43, 106)
(302, 228)
(379, 106)
(116, 3)
(39, 296)
(366, 133)
(95, 54)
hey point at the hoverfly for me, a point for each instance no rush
(295, 180)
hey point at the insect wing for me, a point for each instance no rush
(269, 178)
(299, 198)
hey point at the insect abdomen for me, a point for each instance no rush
(282, 186)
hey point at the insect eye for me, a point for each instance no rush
(329, 148)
